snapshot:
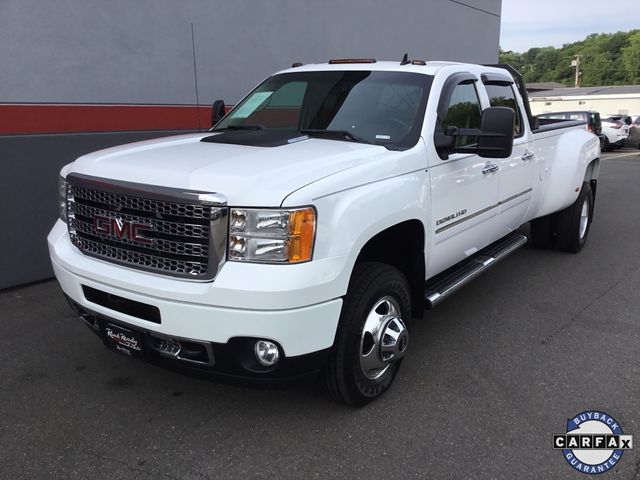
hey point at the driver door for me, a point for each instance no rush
(464, 187)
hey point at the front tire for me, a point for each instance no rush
(574, 221)
(372, 336)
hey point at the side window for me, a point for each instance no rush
(503, 96)
(463, 112)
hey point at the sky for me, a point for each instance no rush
(543, 23)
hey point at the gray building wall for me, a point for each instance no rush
(140, 51)
(90, 51)
(30, 170)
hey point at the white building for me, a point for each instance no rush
(616, 100)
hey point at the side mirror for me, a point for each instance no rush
(217, 112)
(497, 126)
(494, 138)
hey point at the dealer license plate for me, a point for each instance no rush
(123, 340)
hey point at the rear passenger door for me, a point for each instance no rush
(464, 187)
(518, 171)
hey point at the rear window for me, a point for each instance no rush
(577, 116)
(554, 116)
(619, 119)
(566, 116)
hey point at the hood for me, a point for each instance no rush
(246, 175)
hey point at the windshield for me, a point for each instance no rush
(382, 108)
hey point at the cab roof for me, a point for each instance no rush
(429, 68)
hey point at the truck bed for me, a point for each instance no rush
(549, 124)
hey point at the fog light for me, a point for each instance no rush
(267, 353)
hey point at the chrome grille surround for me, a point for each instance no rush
(183, 232)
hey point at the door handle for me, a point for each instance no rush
(490, 168)
(526, 156)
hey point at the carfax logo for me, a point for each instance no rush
(594, 442)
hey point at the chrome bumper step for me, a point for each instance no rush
(444, 284)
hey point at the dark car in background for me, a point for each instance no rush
(634, 133)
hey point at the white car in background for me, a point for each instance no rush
(615, 131)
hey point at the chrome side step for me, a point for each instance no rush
(444, 284)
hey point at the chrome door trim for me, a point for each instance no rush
(484, 210)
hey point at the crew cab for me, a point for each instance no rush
(303, 233)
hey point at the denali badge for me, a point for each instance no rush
(451, 217)
(116, 227)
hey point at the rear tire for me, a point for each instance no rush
(606, 146)
(574, 222)
(544, 231)
(363, 363)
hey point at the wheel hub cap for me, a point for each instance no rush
(384, 338)
(584, 218)
(394, 340)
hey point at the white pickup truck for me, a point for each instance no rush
(301, 234)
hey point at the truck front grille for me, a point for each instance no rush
(167, 231)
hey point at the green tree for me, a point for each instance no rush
(606, 59)
(631, 58)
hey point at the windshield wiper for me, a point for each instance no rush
(241, 127)
(333, 133)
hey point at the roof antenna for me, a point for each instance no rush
(405, 59)
(195, 74)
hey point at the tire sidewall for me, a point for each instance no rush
(391, 284)
(585, 194)
(569, 239)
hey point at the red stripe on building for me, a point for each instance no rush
(74, 118)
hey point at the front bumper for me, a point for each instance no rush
(231, 362)
(188, 310)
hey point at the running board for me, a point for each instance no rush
(444, 284)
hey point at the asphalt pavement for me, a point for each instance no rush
(492, 373)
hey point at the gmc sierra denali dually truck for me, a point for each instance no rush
(330, 206)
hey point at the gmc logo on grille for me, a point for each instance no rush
(116, 227)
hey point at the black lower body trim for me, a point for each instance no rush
(122, 305)
(232, 362)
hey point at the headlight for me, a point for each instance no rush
(272, 236)
(62, 198)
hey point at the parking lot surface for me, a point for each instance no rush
(490, 376)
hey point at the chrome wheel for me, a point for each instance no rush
(584, 218)
(371, 337)
(384, 338)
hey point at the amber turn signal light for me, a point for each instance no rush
(302, 232)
